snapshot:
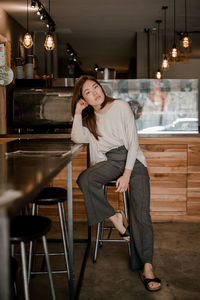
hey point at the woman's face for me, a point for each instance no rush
(93, 94)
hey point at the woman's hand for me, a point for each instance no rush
(123, 181)
(80, 106)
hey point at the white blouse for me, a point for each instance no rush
(117, 128)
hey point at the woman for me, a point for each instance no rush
(108, 125)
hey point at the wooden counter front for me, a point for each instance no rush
(174, 168)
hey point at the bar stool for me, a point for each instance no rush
(25, 229)
(54, 196)
(100, 226)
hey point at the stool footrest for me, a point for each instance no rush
(50, 254)
(45, 272)
(112, 240)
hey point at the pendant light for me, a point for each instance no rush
(185, 41)
(165, 61)
(174, 50)
(28, 41)
(49, 43)
(158, 73)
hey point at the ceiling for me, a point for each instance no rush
(103, 32)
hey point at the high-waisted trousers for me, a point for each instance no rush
(91, 183)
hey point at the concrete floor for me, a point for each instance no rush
(176, 262)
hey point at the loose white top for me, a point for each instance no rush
(117, 128)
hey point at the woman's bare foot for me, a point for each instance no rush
(117, 220)
(148, 273)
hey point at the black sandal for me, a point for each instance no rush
(146, 282)
(126, 233)
(125, 223)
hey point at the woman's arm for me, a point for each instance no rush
(79, 133)
(132, 145)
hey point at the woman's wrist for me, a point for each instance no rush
(127, 173)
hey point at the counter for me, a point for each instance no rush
(174, 168)
(26, 167)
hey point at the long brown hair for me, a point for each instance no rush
(88, 115)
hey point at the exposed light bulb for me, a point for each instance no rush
(49, 43)
(185, 41)
(28, 41)
(174, 52)
(158, 75)
(165, 63)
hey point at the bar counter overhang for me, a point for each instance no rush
(26, 167)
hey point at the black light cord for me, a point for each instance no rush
(185, 16)
(27, 16)
(174, 20)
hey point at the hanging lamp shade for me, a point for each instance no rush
(158, 74)
(186, 40)
(165, 63)
(49, 43)
(174, 50)
(165, 60)
(27, 41)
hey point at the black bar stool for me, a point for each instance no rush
(27, 229)
(101, 227)
(54, 196)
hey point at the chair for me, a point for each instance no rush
(101, 227)
(52, 196)
(26, 229)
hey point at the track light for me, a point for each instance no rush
(33, 4)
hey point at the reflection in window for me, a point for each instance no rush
(167, 106)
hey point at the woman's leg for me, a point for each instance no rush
(140, 220)
(141, 225)
(91, 183)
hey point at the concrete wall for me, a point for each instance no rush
(13, 31)
(191, 69)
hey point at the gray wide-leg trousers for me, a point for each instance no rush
(91, 183)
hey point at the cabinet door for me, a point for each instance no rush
(167, 165)
(193, 204)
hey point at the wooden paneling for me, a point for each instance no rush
(193, 196)
(167, 165)
(174, 169)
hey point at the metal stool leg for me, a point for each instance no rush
(64, 234)
(101, 227)
(97, 243)
(48, 267)
(101, 235)
(125, 200)
(24, 270)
